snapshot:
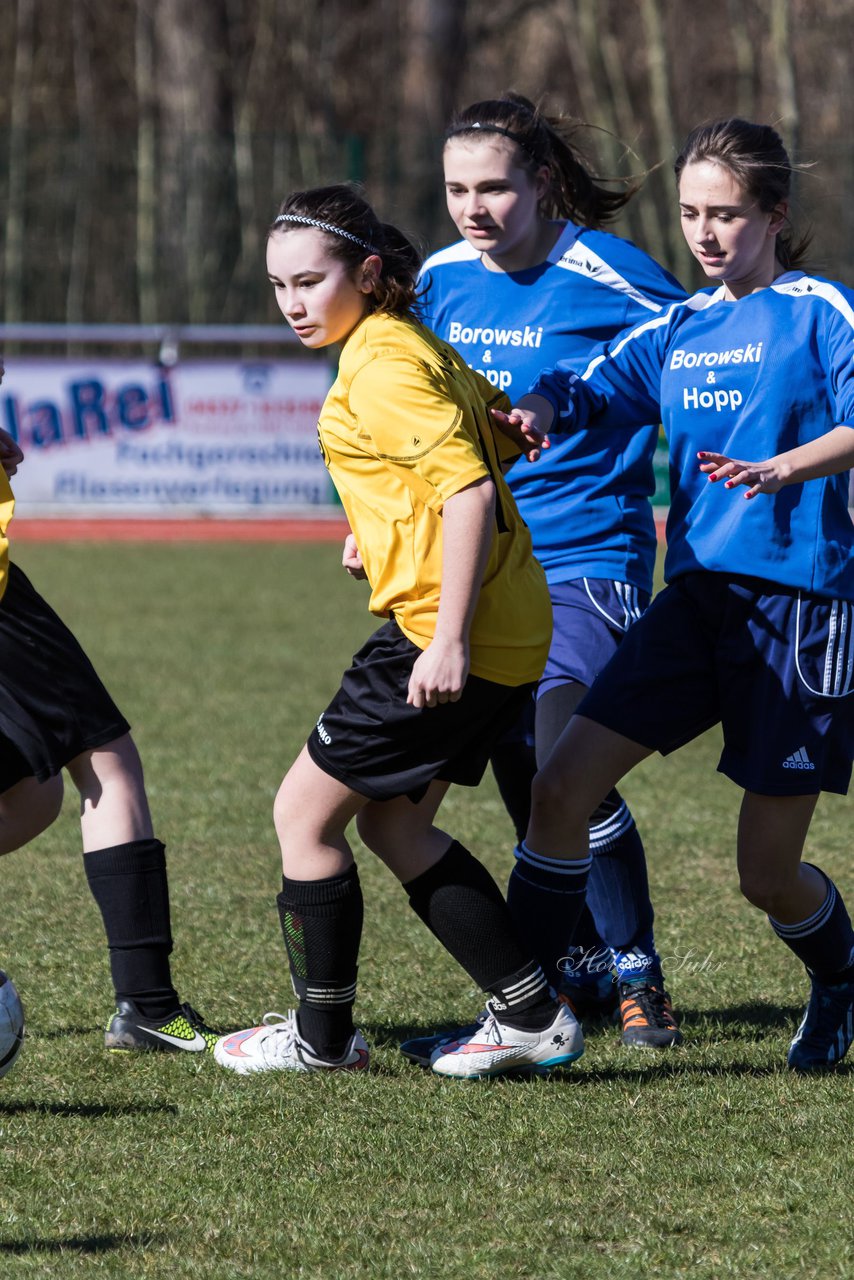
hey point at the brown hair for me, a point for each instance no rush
(755, 156)
(544, 140)
(355, 232)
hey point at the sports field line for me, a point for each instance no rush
(108, 529)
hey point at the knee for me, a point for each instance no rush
(553, 794)
(765, 892)
(284, 808)
(373, 830)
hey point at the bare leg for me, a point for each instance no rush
(772, 831)
(113, 805)
(311, 814)
(587, 762)
(402, 834)
(27, 809)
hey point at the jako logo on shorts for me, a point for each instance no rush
(322, 733)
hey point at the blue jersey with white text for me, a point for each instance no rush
(749, 379)
(587, 499)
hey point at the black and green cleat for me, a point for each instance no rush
(183, 1030)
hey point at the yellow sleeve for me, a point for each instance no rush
(419, 430)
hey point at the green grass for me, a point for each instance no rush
(709, 1162)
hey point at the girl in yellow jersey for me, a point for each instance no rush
(55, 714)
(406, 434)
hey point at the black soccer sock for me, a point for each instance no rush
(129, 884)
(824, 942)
(322, 927)
(546, 897)
(462, 906)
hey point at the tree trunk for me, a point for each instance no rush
(13, 253)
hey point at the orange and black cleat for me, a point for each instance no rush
(647, 1017)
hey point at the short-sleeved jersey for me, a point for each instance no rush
(405, 427)
(587, 498)
(749, 379)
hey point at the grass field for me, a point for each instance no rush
(711, 1161)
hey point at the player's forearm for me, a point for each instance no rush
(467, 527)
(826, 456)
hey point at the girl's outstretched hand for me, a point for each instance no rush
(522, 426)
(761, 477)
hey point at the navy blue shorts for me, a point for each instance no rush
(53, 706)
(591, 616)
(772, 664)
(370, 739)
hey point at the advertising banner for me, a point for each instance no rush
(206, 437)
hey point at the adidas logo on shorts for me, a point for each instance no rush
(798, 760)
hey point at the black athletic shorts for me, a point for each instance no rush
(52, 704)
(370, 739)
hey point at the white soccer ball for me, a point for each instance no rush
(11, 1024)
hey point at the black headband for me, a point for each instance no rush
(477, 127)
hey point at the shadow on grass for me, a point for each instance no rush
(87, 1110)
(62, 1033)
(756, 1014)
(82, 1244)
(677, 1065)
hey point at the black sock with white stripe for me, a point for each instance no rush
(462, 906)
(546, 897)
(322, 927)
(824, 942)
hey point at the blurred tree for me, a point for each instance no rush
(147, 143)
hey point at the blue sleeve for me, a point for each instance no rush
(840, 354)
(620, 387)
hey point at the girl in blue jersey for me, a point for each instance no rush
(534, 281)
(754, 380)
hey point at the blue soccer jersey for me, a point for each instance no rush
(586, 500)
(749, 379)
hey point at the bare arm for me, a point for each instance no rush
(826, 456)
(440, 672)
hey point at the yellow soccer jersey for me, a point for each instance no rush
(7, 507)
(403, 429)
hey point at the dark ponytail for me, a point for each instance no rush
(354, 232)
(545, 140)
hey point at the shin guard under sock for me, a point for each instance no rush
(462, 906)
(824, 942)
(545, 897)
(129, 884)
(322, 927)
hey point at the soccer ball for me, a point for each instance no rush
(11, 1024)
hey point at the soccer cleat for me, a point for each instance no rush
(184, 1029)
(827, 1028)
(278, 1046)
(591, 1002)
(421, 1049)
(647, 1017)
(496, 1048)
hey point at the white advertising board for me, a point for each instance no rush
(207, 437)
